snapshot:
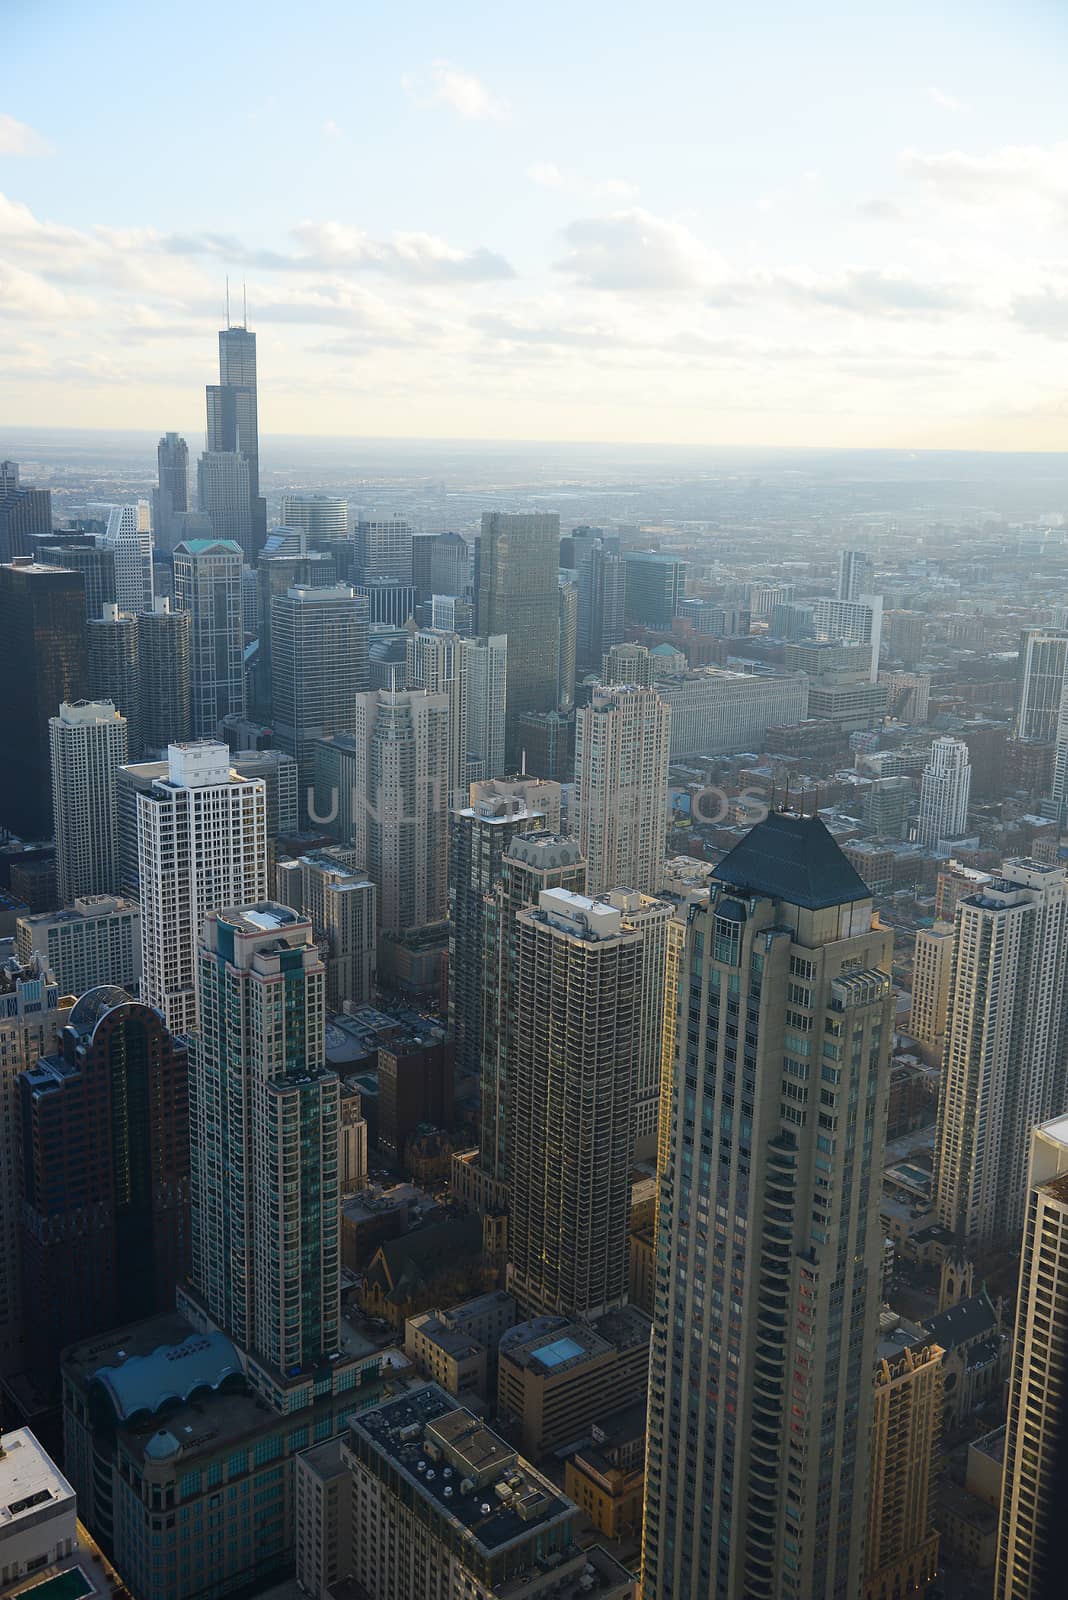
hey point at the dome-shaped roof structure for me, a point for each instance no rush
(94, 1003)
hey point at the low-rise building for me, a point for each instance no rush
(457, 1347)
(606, 1477)
(556, 1376)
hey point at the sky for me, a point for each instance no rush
(693, 223)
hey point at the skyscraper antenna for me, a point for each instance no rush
(244, 305)
(227, 299)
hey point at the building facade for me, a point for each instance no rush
(622, 744)
(207, 584)
(93, 943)
(88, 746)
(518, 596)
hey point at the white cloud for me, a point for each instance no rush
(1027, 180)
(28, 295)
(331, 129)
(947, 102)
(19, 139)
(547, 175)
(459, 91)
(635, 251)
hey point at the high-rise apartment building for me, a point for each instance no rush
(577, 992)
(401, 804)
(325, 519)
(901, 1554)
(94, 943)
(105, 1176)
(115, 668)
(932, 965)
(652, 918)
(567, 648)
(164, 667)
(601, 579)
(622, 745)
(1005, 1064)
(856, 574)
(264, 1140)
(629, 663)
(202, 844)
(338, 899)
(88, 746)
(478, 837)
(531, 862)
(1041, 670)
(518, 596)
(207, 584)
(1032, 1482)
(655, 585)
(43, 662)
(33, 1008)
(383, 549)
(945, 790)
(769, 1252)
(128, 535)
(318, 669)
(858, 622)
(473, 674)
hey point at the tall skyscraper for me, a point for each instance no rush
(902, 1543)
(518, 596)
(43, 661)
(578, 1016)
(531, 862)
(128, 535)
(441, 564)
(479, 834)
(402, 804)
(629, 663)
(115, 668)
(622, 743)
(207, 584)
(233, 429)
(105, 1139)
(32, 1011)
(163, 658)
(79, 552)
(277, 574)
(944, 793)
(325, 519)
(567, 647)
(172, 456)
(651, 917)
(383, 549)
(88, 744)
(1032, 1483)
(25, 513)
(601, 575)
(202, 844)
(1041, 670)
(655, 585)
(338, 899)
(264, 1140)
(1005, 1064)
(769, 1251)
(318, 668)
(856, 574)
(224, 496)
(932, 964)
(473, 673)
(857, 622)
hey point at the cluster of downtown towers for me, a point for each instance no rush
(743, 1028)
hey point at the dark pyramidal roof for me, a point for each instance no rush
(792, 858)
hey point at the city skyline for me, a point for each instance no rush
(719, 270)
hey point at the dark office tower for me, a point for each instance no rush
(578, 996)
(114, 669)
(530, 863)
(479, 834)
(547, 745)
(277, 574)
(172, 454)
(163, 651)
(207, 584)
(233, 426)
(519, 596)
(25, 513)
(43, 661)
(79, 552)
(105, 1141)
(655, 585)
(601, 575)
(383, 549)
(441, 564)
(769, 1245)
(319, 666)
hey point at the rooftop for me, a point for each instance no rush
(29, 1479)
(792, 858)
(468, 1474)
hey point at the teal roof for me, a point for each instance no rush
(197, 547)
(171, 1373)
